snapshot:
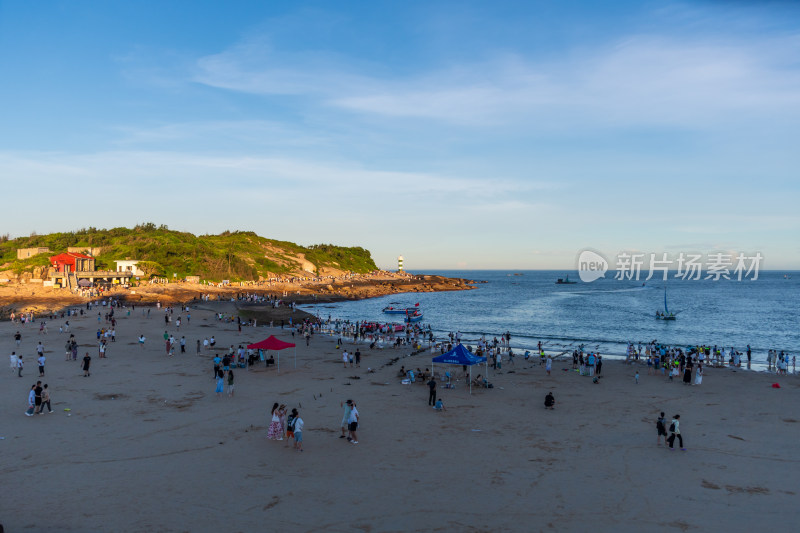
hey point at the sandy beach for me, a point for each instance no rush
(146, 445)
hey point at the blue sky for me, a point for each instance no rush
(459, 134)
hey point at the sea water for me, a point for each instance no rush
(603, 315)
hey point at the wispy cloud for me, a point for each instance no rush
(638, 80)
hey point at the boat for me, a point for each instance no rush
(666, 315)
(416, 316)
(565, 281)
(399, 310)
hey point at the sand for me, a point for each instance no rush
(147, 446)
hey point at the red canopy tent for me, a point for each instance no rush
(274, 343)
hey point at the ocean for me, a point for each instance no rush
(603, 315)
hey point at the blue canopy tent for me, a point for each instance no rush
(459, 356)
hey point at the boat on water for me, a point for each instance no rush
(399, 310)
(666, 315)
(565, 281)
(416, 316)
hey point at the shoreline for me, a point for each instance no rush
(32, 297)
(564, 351)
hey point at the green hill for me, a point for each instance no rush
(240, 255)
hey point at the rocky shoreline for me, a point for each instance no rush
(27, 297)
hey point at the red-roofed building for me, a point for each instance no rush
(72, 262)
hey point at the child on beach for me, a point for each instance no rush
(661, 427)
(230, 382)
(298, 432)
(290, 427)
(636, 377)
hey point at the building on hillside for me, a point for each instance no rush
(25, 253)
(129, 266)
(88, 250)
(72, 262)
(193, 279)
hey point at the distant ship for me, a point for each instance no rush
(565, 281)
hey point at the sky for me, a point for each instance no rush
(462, 135)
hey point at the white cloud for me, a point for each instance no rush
(638, 80)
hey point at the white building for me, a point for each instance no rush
(129, 266)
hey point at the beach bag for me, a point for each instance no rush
(672, 427)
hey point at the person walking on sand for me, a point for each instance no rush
(549, 365)
(41, 361)
(217, 362)
(87, 361)
(20, 364)
(661, 428)
(352, 425)
(698, 375)
(220, 383)
(31, 401)
(298, 431)
(45, 400)
(345, 358)
(675, 431)
(290, 427)
(346, 417)
(274, 430)
(37, 398)
(230, 382)
(432, 392)
(13, 361)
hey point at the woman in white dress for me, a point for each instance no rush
(698, 376)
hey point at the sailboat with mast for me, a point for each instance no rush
(666, 315)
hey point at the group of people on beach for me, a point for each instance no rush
(286, 425)
(38, 399)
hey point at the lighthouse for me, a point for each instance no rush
(400, 263)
